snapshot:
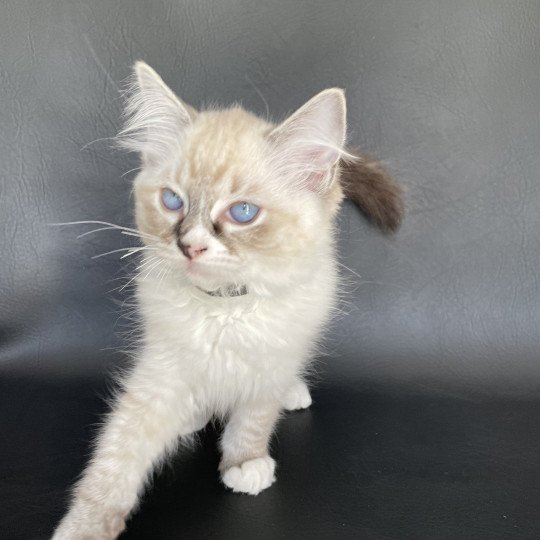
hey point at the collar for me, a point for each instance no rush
(227, 291)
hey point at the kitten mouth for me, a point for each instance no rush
(197, 267)
(212, 279)
(200, 270)
(195, 271)
(202, 267)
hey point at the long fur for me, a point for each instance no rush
(241, 359)
(372, 189)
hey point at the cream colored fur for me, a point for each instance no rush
(240, 358)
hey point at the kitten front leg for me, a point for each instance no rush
(147, 421)
(246, 466)
(297, 396)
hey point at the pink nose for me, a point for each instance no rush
(192, 251)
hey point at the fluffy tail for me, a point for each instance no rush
(373, 190)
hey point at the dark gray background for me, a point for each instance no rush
(425, 415)
(446, 93)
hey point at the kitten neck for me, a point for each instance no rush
(227, 291)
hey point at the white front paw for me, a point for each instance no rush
(251, 476)
(98, 526)
(297, 397)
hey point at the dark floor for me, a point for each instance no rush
(358, 464)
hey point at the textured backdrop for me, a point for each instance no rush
(446, 93)
(419, 427)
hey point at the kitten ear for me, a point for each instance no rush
(310, 142)
(156, 118)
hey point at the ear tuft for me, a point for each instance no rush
(310, 142)
(156, 119)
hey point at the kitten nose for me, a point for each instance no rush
(192, 251)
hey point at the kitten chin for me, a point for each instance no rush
(207, 282)
(227, 201)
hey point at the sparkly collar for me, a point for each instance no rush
(227, 291)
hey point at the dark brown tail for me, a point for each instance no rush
(372, 189)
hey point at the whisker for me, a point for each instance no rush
(137, 273)
(95, 141)
(93, 222)
(162, 275)
(131, 170)
(120, 289)
(131, 251)
(350, 270)
(152, 267)
(260, 94)
(94, 230)
(140, 235)
(145, 263)
(371, 282)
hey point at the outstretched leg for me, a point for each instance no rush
(246, 466)
(147, 420)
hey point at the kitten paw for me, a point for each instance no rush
(74, 527)
(251, 476)
(297, 397)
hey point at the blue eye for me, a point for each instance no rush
(171, 201)
(244, 212)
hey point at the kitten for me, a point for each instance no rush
(237, 216)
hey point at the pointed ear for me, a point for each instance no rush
(156, 118)
(311, 140)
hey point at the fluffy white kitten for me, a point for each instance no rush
(238, 218)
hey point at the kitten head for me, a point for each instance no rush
(227, 198)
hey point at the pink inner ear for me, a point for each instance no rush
(308, 143)
(314, 181)
(319, 161)
(326, 157)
